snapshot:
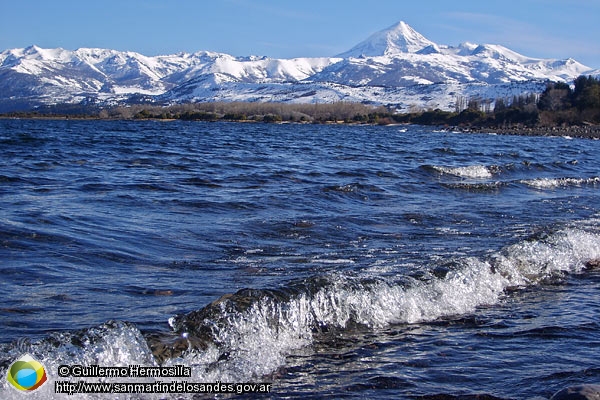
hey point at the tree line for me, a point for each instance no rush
(258, 112)
(560, 105)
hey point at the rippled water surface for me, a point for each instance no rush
(354, 261)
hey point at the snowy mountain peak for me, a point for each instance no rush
(394, 66)
(398, 38)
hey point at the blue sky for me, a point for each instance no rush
(300, 28)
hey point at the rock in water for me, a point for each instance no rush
(582, 392)
(593, 264)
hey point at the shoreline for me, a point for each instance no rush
(582, 132)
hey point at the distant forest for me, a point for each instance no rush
(560, 105)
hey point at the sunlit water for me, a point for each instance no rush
(383, 262)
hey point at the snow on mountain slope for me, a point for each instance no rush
(397, 65)
(254, 69)
(398, 38)
(58, 75)
(399, 56)
(442, 96)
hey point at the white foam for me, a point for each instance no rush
(472, 171)
(332, 260)
(254, 251)
(255, 341)
(119, 345)
(529, 262)
(261, 337)
(551, 183)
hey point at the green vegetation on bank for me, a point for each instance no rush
(559, 106)
(258, 112)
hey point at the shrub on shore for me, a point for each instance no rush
(560, 105)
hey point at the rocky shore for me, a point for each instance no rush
(586, 131)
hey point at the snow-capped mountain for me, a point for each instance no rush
(394, 66)
(397, 39)
(400, 56)
(57, 75)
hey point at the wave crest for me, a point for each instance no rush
(469, 172)
(275, 323)
(248, 334)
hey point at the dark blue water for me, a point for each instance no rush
(382, 261)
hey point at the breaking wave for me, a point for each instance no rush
(551, 183)
(248, 335)
(470, 172)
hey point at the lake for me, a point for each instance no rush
(330, 261)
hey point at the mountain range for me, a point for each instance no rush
(396, 66)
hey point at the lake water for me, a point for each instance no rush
(355, 261)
